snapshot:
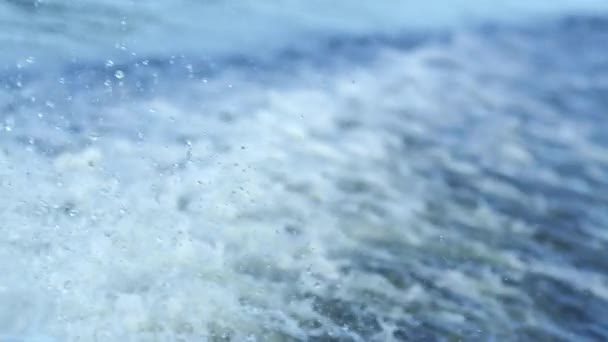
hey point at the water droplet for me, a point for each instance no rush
(109, 63)
(119, 74)
(8, 124)
(94, 136)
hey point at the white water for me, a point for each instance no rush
(223, 207)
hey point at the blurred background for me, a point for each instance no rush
(303, 170)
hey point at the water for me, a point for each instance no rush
(232, 171)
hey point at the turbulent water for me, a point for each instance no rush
(299, 171)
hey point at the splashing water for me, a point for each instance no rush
(438, 184)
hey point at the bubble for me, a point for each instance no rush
(94, 136)
(67, 285)
(119, 74)
(8, 124)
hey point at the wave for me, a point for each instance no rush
(446, 185)
(56, 30)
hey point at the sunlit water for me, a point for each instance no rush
(231, 171)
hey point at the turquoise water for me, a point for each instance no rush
(299, 171)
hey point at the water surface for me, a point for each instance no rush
(299, 171)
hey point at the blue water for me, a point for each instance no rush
(303, 171)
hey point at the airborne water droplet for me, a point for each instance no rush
(119, 74)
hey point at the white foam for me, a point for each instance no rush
(201, 226)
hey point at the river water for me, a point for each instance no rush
(303, 171)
